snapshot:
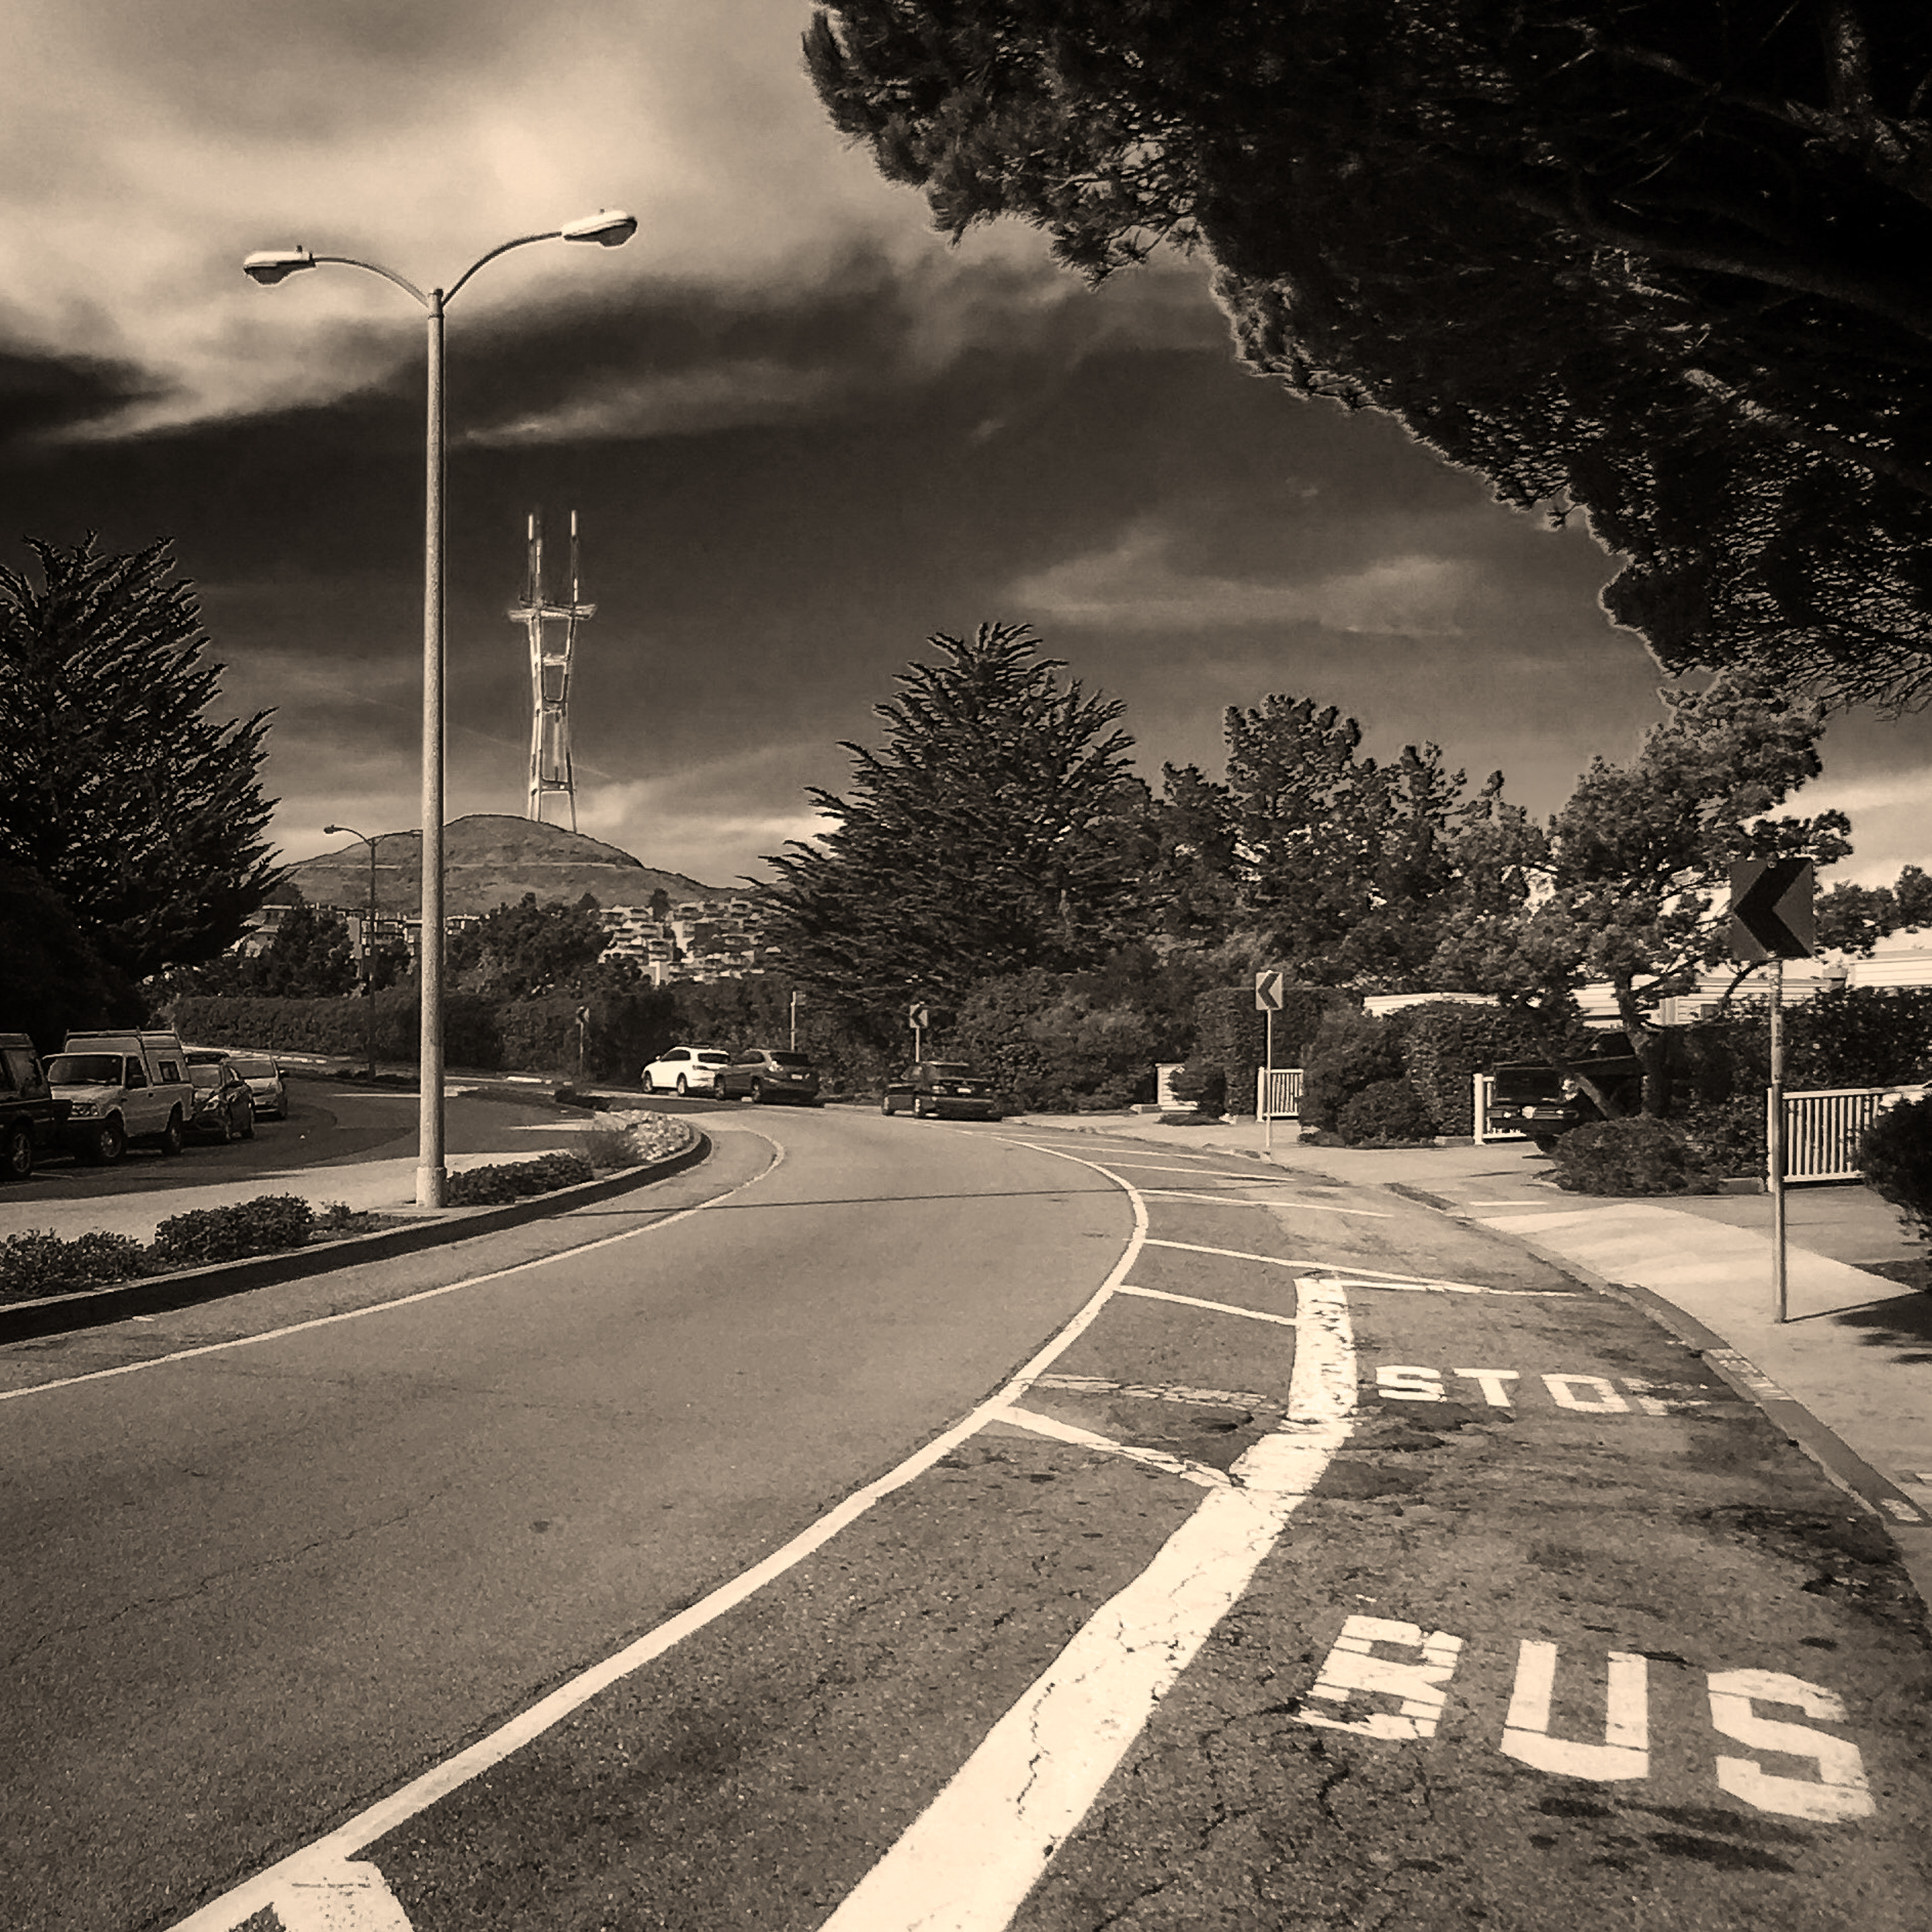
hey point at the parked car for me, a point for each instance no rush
(29, 1114)
(1537, 1101)
(686, 1070)
(267, 1088)
(121, 1086)
(224, 1108)
(931, 1088)
(770, 1074)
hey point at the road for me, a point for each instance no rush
(944, 1526)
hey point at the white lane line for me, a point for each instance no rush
(1160, 1392)
(1223, 1200)
(402, 1301)
(321, 1861)
(1035, 1423)
(1213, 1308)
(1272, 1176)
(969, 1860)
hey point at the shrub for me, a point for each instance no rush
(515, 1180)
(1230, 1034)
(264, 1225)
(1389, 1113)
(1058, 1041)
(1202, 1085)
(1445, 1043)
(1728, 1134)
(1641, 1155)
(40, 1263)
(1351, 1051)
(1894, 1156)
(606, 1147)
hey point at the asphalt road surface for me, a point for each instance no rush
(944, 1527)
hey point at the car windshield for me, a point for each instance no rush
(203, 1075)
(254, 1069)
(85, 1069)
(948, 1069)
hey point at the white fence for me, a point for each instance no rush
(1821, 1130)
(1277, 1093)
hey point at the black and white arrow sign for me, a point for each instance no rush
(1771, 916)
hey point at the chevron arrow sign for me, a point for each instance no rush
(1771, 916)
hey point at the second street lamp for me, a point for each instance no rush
(369, 946)
(609, 228)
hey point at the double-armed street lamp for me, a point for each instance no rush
(609, 229)
(369, 946)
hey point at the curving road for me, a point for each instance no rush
(252, 1584)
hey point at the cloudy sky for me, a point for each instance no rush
(800, 433)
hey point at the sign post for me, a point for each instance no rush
(1773, 918)
(919, 1018)
(1267, 1000)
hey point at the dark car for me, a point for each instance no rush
(1538, 1101)
(934, 1088)
(224, 1110)
(770, 1074)
(29, 1114)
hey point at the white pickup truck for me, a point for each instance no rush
(120, 1086)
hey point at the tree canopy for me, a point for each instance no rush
(143, 813)
(1669, 265)
(993, 831)
(518, 952)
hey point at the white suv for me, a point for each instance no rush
(686, 1070)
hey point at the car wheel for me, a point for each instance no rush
(16, 1156)
(885, 1104)
(173, 1136)
(248, 1124)
(756, 1093)
(922, 1108)
(1545, 1143)
(683, 1089)
(105, 1143)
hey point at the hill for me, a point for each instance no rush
(490, 859)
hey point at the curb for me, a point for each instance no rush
(158, 1293)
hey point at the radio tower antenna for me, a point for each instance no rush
(551, 775)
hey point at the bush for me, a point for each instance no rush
(1641, 1155)
(1894, 1156)
(1055, 1041)
(1389, 1113)
(1230, 1034)
(37, 1263)
(1202, 1085)
(265, 1226)
(1445, 1043)
(1729, 1135)
(515, 1180)
(1351, 1052)
(607, 1147)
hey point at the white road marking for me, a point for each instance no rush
(1156, 1392)
(1625, 1750)
(402, 1300)
(1217, 1308)
(969, 1860)
(1198, 1473)
(1353, 1277)
(1840, 1791)
(1224, 1200)
(1418, 1684)
(344, 1898)
(1266, 1175)
(314, 1862)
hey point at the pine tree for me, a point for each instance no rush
(143, 813)
(991, 833)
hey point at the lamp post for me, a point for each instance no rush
(369, 946)
(609, 228)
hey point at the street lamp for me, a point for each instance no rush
(609, 228)
(368, 945)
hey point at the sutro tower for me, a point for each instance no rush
(551, 776)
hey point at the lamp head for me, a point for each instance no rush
(329, 830)
(609, 226)
(268, 266)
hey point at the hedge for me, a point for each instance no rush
(1445, 1043)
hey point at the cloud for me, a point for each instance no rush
(1140, 583)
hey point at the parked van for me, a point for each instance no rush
(122, 1087)
(29, 1114)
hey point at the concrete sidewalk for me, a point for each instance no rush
(1854, 1357)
